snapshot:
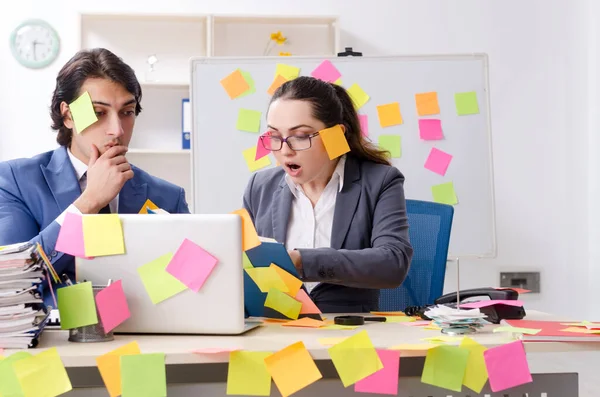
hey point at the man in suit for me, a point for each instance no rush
(89, 173)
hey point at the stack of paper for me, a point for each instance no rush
(456, 320)
(23, 315)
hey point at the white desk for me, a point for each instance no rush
(205, 374)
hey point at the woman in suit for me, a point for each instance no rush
(344, 220)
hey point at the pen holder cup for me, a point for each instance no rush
(91, 333)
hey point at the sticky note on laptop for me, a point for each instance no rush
(249, 236)
(192, 265)
(159, 284)
(103, 235)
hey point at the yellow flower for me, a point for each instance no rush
(278, 38)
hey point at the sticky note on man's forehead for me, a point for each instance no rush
(82, 112)
(335, 141)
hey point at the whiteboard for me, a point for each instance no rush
(220, 172)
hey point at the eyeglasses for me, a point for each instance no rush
(295, 142)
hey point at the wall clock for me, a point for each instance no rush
(35, 44)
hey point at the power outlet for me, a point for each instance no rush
(525, 280)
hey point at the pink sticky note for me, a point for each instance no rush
(308, 306)
(364, 124)
(507, 366)
(191, 265)
(112, 306)
(438, 161)
(384, 381)
(430, 129)
(70, 236)
(326, 71)
(260, 148)
(417, 324)
(480, 304)
(216, 350)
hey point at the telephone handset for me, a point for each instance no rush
(490, 293)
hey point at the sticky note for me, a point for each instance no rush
(430, 129)
(466, 103)
(277, 82)
(358, 95)
(283, 303)
(444, 193)
(475, 374)
(337, 327)
(305, 322)
(109, 366)
(517, 330)
(413, 346)
(267, 278)
(384, 381)
(82, 111)
(398, 313)
(143, 375)
(427, 103)
(246, 264)
(391, 143)
(216, 350)
(443, 339)
(399, 319)
(42, 374)
(191, 264)
(251, 85)
(297, 357)
(235, 84)
(148, 205)
(287, 71)
(112, 306)
(355, 358)
(308, 306)
(10, 386)
(580, 330)
(249, 236)
(507, 366)
(261, 151)
(363, 119)
(332, 341)
(254, 165)
(292, 283)
(247, 374)
(445, 367)
(70, 237)
(326, 71)
(248, 120)
(438, 161)
(103, 235)
(335, 141)
(76, 305)
(159, 284)
(389, 114)
(338, 81)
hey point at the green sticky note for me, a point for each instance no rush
(445, 367)
(247, 374)
(83, 112)
(248, 120)
(391, 143)
(248, 77)
(287, 71)
(355, 358)
(143, 375)
(159, 284)
(43, 375)
(283, 303)
(10, 386)
(444, 193)
(476, 372)
(246, 264)
(76, 306)
(466, 103)
(518, 330)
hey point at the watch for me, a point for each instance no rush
(34, 43)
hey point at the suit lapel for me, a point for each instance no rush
(282, 203)
(132, 196)
(61, 179)
(346, 203)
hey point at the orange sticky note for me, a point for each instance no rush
(335, 141)
(427, 103)
(305, 322)
(292, 283)
(277, 82)
(389, 114)
(148, 205)
(249, 236)
(297, 357)
(235, 84)
(308, 306)
(109, 366)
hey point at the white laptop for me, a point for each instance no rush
(217, 308)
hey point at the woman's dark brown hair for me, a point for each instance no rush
(332, 105)
(94, 63)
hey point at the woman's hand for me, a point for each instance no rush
(296, 260)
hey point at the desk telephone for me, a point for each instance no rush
(494, 313)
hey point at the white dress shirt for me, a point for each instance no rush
(310, 227)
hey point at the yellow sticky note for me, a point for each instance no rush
(266, 278)
(247, 374)
(332, 341)
(292, 283)
(338, 81)
(148, 205)
(43, 374)
(83, 112)
(580, 330)
(443, 339)
(254, 165)
(287, 71)
(246, 264)
(432, 328)
(297, 357)
(427, 103)
(337, 327)
(355, 358)
(305, 322)
(9, 383)
(277, 82)
(248, 120)
(109, 366)
(335, 141)
(389, 114)
(444, 193)
(399, 319)
(445, 367)
(476, 373)
(249, 236)
(358, 95)
(388, 313)
(283, 303)
(235, 84)
(160, 284)
(103, 235)
(413, 346)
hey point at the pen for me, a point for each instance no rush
(67, 279)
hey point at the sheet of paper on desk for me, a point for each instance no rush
(445, 367)
(109, 366)
(476, 373)
(191, 264)
(76, 306)
(43, 374)
(507, 366)
(143, 375)
(103, 235)
(70, 237)
(296, 357)
(249, 235)
(112, 306)
(266, 278)
(355, 358)
(283, 303)
(10, 386)
(247, 374)
(384, 381)
(159, 284)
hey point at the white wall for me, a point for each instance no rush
(539, 95)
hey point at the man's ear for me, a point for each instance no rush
(66, 115)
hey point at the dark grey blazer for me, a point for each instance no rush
(370, 247)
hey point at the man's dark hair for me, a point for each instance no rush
(94, 63)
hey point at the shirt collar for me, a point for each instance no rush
(338, 173)
(80, 166)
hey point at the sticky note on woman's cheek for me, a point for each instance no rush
(334, 141)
